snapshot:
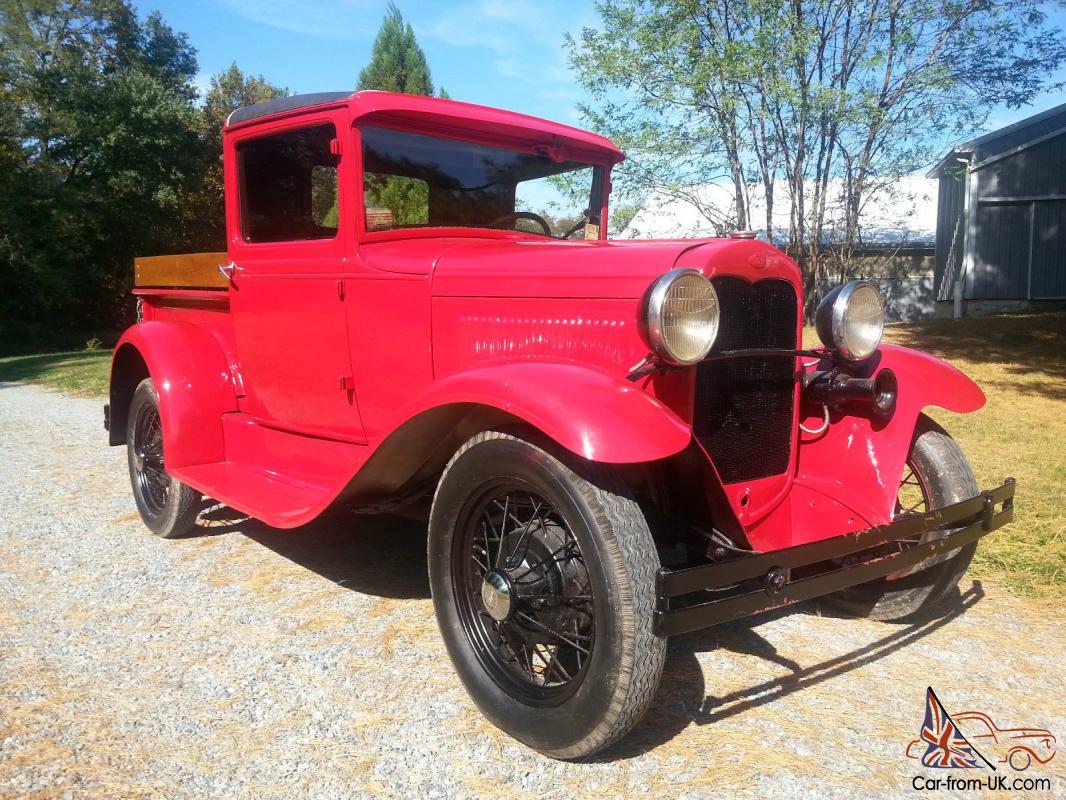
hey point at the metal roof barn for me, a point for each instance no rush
(1001, 219)
(903, 214)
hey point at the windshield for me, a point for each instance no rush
(412, 181)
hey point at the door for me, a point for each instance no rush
(287, 291)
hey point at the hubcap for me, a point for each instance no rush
(497, 595)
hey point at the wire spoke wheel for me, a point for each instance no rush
(166, 505)
(150, 474)
(543, 580)
(524, 594)
(912, 497)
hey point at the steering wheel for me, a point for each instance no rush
(517, 215)
(581, 223)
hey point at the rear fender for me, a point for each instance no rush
(590, 413)
(192, 379)
(858, 462)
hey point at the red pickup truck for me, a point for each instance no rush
(617, 441)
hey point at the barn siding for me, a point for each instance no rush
(1037, 171)
(948, 220)
(1049, 251)
(1016, 200)
(1011, 137)
(1001, 253)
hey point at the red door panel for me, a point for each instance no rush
(292, 341)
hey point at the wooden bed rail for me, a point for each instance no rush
(186, 271)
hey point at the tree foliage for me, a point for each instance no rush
(104, 155)
(787, 94)
(229, 90)
(397, 63)
(100, 151)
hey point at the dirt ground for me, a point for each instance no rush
(248, 662)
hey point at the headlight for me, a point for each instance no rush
(681, 316)
(850, 319)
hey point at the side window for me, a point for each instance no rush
(289, 186)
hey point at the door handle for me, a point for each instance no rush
(227, 270)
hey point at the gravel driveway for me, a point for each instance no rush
(248, 662)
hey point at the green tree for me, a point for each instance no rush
(229, 90)
(397, 63)
(787, 95)
(100, 151)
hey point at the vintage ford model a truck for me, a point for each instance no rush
(621, 440)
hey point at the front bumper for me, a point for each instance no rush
(698, 597)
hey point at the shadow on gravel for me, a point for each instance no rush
(379, 555)
(681, 699)
(385, 556)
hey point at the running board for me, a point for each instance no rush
(256, 493)
(283, 478)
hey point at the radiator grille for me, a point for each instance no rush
(743, 407)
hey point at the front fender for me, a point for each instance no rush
(858, 462)
(588, 412)
(193, 381)
(928, 381)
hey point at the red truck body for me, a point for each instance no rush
(347, 359)
(279, 390)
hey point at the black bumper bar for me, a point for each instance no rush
(698, 597)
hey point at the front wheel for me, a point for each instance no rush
(543, 581)
(936, 474)
(167, 506)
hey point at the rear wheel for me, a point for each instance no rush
(543, 582)
(167, 506)
(936, 474)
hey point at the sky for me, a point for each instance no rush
(504, 54)
(493, 52)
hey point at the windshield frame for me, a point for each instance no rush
(601, 162)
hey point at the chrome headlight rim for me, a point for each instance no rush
(831, 319)
(654, 307)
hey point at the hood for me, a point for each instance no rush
(535, 268)
(478, 267)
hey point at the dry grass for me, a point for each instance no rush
(1020, 362)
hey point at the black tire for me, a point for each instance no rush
(167, 506)
(944, 477)
(615, 562)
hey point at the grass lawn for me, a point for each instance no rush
(1019, 361)
(83, 374)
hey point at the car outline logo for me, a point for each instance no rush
(1019, 747)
